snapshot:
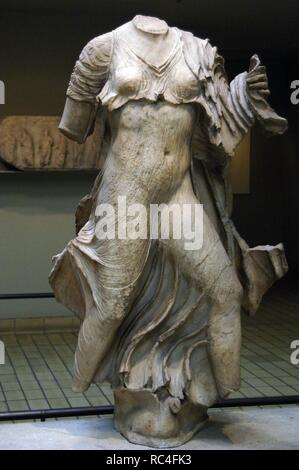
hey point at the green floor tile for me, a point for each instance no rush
(70, 393)
(93, 392)
(10, 386)
(3, 406)
(56, 340)
(41, 371)
(63, 374)
(285, 390)
(80, 401)
(17, 405)
(23, 370)
(261, 374)
(39, 404)
(49, 384)
(9, 378)
(64, 382)
(6, 370)
(53, 393)
(33, 355)
(58, 403)
(269, 392)
(236, 395)
(291, 380)
(274, 382)
(256, 382)
(34, 394)
(19, 363)
(44, 376)
(98, 401)
(59, 368)
(37, 362)
(251, 393)
(105, 387)
(27, 379)
(14, 395)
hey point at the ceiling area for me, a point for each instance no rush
(238, 25)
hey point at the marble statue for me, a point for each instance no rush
(161, 323)
(35, 143)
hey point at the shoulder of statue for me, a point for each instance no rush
(100, 46)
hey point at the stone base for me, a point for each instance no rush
(156, 420)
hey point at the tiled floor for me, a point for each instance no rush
(37, 373)
(266, 365)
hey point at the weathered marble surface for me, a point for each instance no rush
(34, 142)
(159, 322)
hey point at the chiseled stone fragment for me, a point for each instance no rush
(34, 142)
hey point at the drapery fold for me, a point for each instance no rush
(165, 306)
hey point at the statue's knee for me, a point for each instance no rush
(229, 291)
(236, 290)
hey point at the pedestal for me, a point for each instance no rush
(156, 419)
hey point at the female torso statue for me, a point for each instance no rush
(161, 322)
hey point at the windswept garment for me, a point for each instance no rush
(153, 346)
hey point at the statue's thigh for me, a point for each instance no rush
(209, 266)
(120, 261)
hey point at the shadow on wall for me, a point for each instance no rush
(270, 212)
